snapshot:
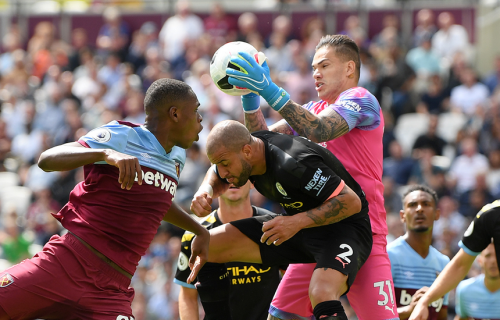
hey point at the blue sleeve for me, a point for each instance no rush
(110, 136)
(359, 109)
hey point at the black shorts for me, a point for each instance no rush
(343, 246)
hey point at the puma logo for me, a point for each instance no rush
(390, 309)
(343, 263)
(333, 315)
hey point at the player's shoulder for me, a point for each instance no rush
(491, 210)
(466, 284)
(396, 246)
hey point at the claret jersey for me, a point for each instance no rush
(360, 151)
(484, 228)
(117, 222)
(300, 174)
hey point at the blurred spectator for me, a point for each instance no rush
(398, 76)
(193, 173)
(14, 244)
(16, 81)
(424, 62)
(467, 166)
(492, 79)
(493, 174)
(178, 30)
(398, 167)
(114, 35)
(247, 27)
(10, 43)
(312, 30)
(279, 56)
(353, 29)
(38, 215)
(393, 201)
(134, 108)
(298, 83)
(473, 200)
(471, 95)
(388, 37)
(282, 25)
(220, 25)
(450, 221)
(435, 100)
(450, 38)
(80, 44)
(430, 139)
(425, 27)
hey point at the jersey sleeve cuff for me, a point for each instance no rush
(184, 284)
(337, 190)
(83, 143)
(467, 250)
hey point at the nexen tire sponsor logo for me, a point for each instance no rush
(317, 182)
(159, 180)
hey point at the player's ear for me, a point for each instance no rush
(173, 112)
(402, 216)
(247, 150)
(351, 69)
(438, 214)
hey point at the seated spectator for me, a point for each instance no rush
(436, 99)
(493, 174)
(354, 30)
(467, 166)
(430, 139)
(424, 62)
(392, 198)
(450, 38)
(114, 35)
(473, 200)
(79, 44)
(400, 168)
(471, 96)
(425, 27)
(279, 56)
(282, 25)
(10, 43)
(451, 220)
(492, 79)
(247, 27)
(15, 245)
(299, 81)
(178, 30)
(219, 25)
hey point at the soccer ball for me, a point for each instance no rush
(220, 62)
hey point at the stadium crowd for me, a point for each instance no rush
(442, 118)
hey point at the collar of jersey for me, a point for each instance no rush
(151, 137)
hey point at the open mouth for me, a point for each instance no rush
(319, 85)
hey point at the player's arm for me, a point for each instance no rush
(453, 273)
(318, 128)
(212, 187)
(199, 247)
(72, 155)
(335, 209)
(188, 304)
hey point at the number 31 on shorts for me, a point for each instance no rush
(381, 291)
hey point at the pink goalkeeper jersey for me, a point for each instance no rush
(360, 150)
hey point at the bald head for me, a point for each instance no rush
(230, 134)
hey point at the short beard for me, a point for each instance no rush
(246, 170)
(420, 229)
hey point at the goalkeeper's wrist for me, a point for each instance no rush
(250, 102)
(278, 98)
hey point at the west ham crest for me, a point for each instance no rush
(6, 280)
(178, 169)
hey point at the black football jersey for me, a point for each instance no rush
(484, 228)
(252, 285)
(300, 174)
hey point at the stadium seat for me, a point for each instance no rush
(17, 197)
(449, 125)
(408, 128)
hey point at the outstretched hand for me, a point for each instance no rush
(421, 311)
(127, 165)
(199, 254)
(279, 230)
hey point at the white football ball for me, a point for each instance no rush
(220, 62)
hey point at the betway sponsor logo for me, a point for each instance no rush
(406, 300)
(159, 180)
(317, 182)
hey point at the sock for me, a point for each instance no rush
(329, 310)
(213, 289)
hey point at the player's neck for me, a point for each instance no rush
(162, 137)
(419, 241)
(231, 211)
(258, 161)
(347, 86)
(493, 285)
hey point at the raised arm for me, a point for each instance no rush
(333, 210)
(72, 155)
(325, 126)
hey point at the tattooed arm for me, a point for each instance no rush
(325, 126)
(282, 228)
(255, 122)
